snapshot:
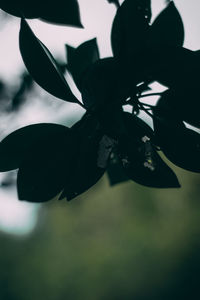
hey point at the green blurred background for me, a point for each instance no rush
(123, 242)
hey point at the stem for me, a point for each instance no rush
(142, 105)
(146, 104)
(146, 111)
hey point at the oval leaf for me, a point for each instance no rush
(171, 66)
(115, 170)
(103, 84)
(86, 171)
(20, 8)
(140, 160)
(80, 58)
(17, 145)
(184, 102)
(45, 170)
(60, 12)
(179, 144)
(129, 28)
(185, 153)
(167, 28)
(42, 66)
(134, 124)
(150, 172)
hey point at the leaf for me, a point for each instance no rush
(86, 171)
(115, 170)
(140, 160)
(103, 85)
(184, 103)
(129, 28)
(111, 121)
(134, 123)
(45, 170)
(80, 58)
(151, 172)
(187, 153)
(167, 29)
(20, 8)
(60, 12)
(171, 66)
(17, 145)
(164, 110)
(179, 144)
(128, 38)
(42, 66)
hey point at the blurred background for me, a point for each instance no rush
(111, 243)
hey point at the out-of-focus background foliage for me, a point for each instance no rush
(124, 242)
(111, 243)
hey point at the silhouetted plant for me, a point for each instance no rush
(53, 159)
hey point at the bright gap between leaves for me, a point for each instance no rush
(16, 217)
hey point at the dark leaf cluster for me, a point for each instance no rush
(61, 12)
(53, 159)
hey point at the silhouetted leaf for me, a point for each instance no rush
(80, 58)
(103, 84)
(129, 28)
(163, 110)
(182, 102)
(171, 66)
(128, 37)
(42, 66)
(134, 123)
(59, 12)
(111, 120)
(140, 160)
(17, 145)
(86, 171)
(115, 170)
(179, 144)
(44, 171)
(151, 172)
(20, 8)
(167, 29)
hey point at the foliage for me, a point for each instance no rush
(53, 159)
(126, 242)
